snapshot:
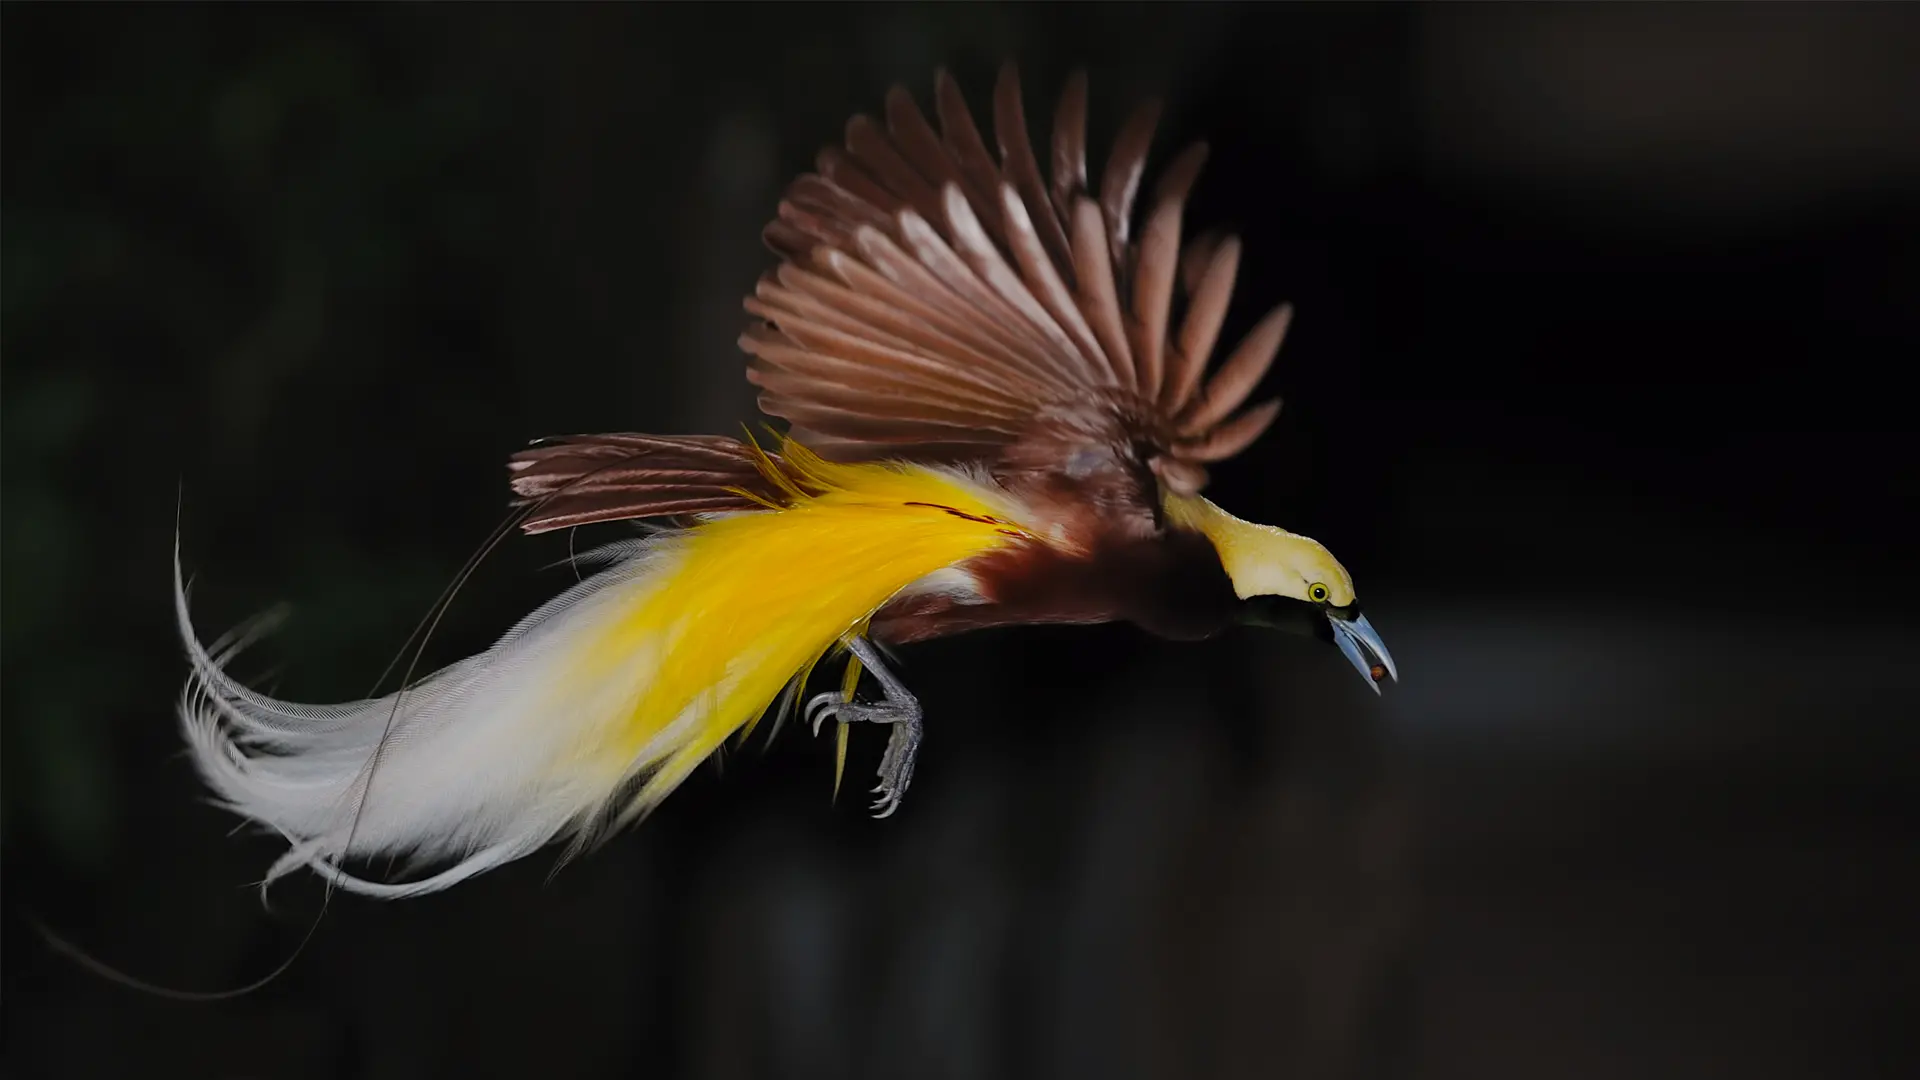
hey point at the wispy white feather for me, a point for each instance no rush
(481, 761)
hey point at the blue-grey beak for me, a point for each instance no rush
(1362, 646)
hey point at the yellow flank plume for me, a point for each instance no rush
(746, 604)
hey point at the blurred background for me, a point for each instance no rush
(1604, 319)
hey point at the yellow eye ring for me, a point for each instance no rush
(1317, 593)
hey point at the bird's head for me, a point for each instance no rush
(1286, 581)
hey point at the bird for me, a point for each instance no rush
(1000, 402)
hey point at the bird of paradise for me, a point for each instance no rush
(993, 421)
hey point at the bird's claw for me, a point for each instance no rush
(899, 710)
(820, 708)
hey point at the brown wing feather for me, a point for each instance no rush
(1120, 181)
(1234, 381)
(1158, 257)
(1206, 311)
(835, 165)
(1019, 166)
(1070, 145)
(962, 140)
(877, 155)
(1093, 267)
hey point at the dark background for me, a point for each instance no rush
(1606, 318)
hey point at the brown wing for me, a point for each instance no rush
(937, 302)
(579, 480)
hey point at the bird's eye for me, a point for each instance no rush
(1317, 593)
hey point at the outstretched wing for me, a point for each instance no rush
(936, 302)
(582, 479)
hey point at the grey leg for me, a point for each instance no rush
(897, 708)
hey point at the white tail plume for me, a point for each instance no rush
(483, 762)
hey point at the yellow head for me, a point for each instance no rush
(1262, 560)
(1287, 581)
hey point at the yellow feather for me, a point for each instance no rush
(848, 684)
(851, 680)
(746, 604)
(839, 756)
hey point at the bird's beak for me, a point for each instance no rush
(1362, 646)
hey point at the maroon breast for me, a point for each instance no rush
(1170, 584)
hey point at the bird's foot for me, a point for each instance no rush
(898, 708)
(903, 743)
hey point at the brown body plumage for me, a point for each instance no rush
(938, 303)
